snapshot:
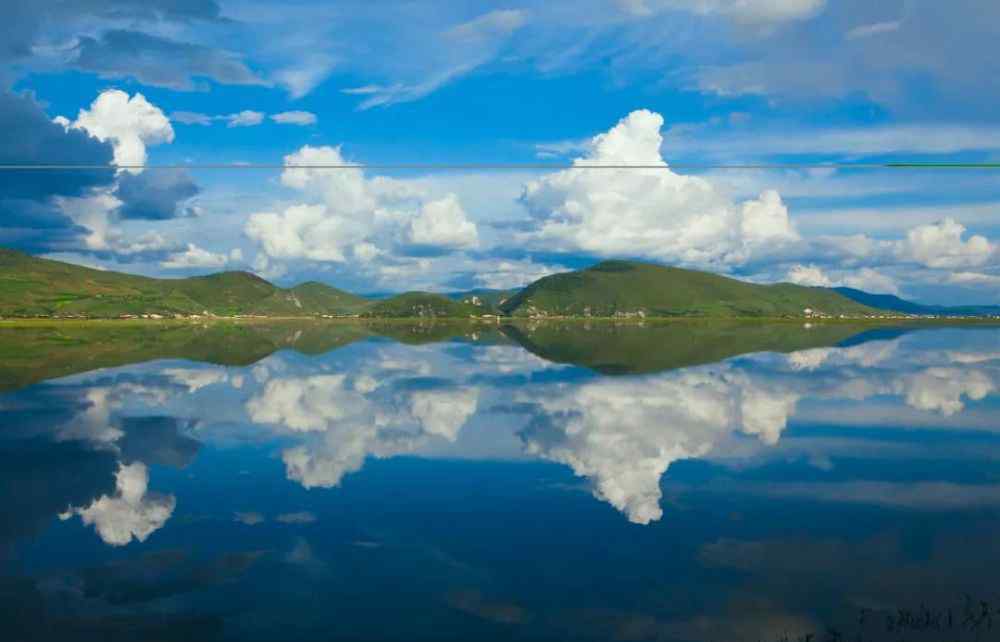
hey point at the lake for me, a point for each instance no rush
(341, 481)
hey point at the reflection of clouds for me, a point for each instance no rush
(131, 512)
(926, 380)
(942, 389)
(194, 379)
(443, 412)
(866, 355)
(304, 404)
(507, 359)
(623, 434)
(354, 418)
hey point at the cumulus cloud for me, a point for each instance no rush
(196, 257)
(350, 215)
(940, 245)
(650, 212)
(866, 279)
(30, 218)
(130, 124)
(81, 211)
(443, 224)
(132, 512)
(499, 274)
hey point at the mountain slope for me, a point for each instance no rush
(422, 304)
(617, 288)
(896, 304)
(32, 286)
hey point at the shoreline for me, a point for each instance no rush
(493, 321)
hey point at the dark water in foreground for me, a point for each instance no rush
(338, 482)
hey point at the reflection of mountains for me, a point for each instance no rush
(32, 354)
(621, 349)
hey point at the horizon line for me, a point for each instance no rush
(501, 166)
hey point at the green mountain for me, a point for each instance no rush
(627, 288)
(423, 305)
(489, 300)
(32, 286)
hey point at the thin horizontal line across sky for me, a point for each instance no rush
(503, 166)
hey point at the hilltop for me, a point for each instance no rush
(32, 286)
(633, 289)
(35, 287)
(423, 305)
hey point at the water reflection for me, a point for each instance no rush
(798, 428)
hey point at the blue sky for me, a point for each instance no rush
(453, 82)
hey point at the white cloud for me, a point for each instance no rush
(443, 223)
(940, 245)
(761, 13)
(650, 212)
(130, 124)
(873, 29)
(504, 275)
(349, 215)
(245, 118)
(131, 513)
(192, 118)
(306, 73)
(867, 279)
(456, 51)
(974, 278)
(294, 118)
(196, 257)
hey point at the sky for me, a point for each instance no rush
(682, 87)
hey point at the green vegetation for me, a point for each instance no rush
(33, 351)
(488, 300)
(413, 305)
(631, 348)
(631, 289)
(34, 287)
(36, 351)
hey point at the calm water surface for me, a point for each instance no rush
(687, 482)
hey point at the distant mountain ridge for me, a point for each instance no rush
(896, 304)
(36, 287)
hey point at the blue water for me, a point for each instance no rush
(470, 489)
